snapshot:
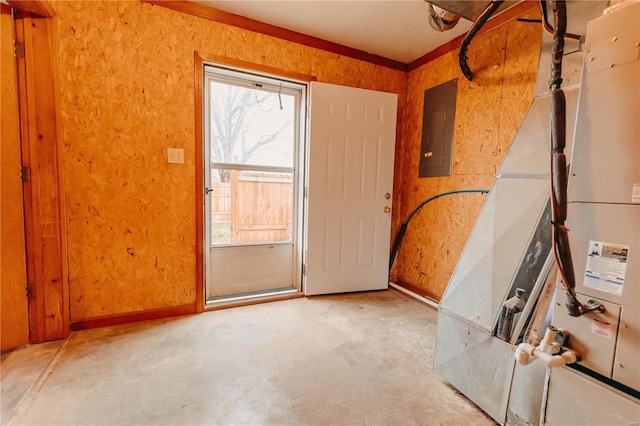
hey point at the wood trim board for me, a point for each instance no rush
(119, 319)
(45, 231)
(14, 316)
(38, 8)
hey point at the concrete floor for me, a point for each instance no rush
(360, 358)
(20, 371)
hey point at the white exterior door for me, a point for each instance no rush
(253, 133)
(352, 146)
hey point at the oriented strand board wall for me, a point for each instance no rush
(126, 79)
(15, 325)
(488, 113)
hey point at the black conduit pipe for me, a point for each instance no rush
(403, 227)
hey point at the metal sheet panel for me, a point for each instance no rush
(620, 225)
(470, 10)
(605, 166)
(495, 249)
(626, 368)
(577, 400)
(606, 154)
(527, 389)
(606, 223)
(242, 269)
(528, 154)
(477, 364)
(593, 335)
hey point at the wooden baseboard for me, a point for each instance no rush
(119, 319)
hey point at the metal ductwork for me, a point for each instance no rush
(441, 19)
(470, 10)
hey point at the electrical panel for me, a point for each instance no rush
(437, 130)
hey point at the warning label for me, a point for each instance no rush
(601, 328)
(635, 193)
(606, 267)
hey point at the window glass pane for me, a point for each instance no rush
(251, 125)
(251, 207)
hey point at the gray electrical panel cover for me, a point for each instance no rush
(437, 129)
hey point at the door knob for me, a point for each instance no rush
(387, 209)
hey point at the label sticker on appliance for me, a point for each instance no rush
(601, 328)
(635, 193)
(606, 267)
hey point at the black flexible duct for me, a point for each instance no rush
(403, 228)
(482, 19)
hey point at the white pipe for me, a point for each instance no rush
(525, 352)
(567, 357)
(548, 344)
(414, 295)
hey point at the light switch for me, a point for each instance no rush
(175, 155)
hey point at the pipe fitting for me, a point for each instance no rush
(547, 352)
(548, 344)
(524, 353)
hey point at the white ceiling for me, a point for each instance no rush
(394, 29)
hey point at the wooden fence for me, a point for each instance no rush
(253, 207)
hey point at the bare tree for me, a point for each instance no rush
(232, 112)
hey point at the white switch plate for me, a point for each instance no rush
(175, 155)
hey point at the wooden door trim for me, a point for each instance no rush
(36, 8)
(45, 228)
(199, 166)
